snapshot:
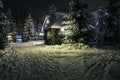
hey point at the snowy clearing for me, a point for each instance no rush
(23, 62)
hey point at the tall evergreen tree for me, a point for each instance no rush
(114, 20)
(77, 29)
(3, 26)
(28, 29)
(52, 13)
(102, 25)
(11, 29)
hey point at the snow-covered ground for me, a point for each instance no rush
(29, 62)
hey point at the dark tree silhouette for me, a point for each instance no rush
(114, 20)
(102, 25)
(52, 13)
(3, 26)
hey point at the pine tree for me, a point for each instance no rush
(114, 20)
(77, 29)
(11, 29)
(3, 26)
(102, 26)
(52, 13)
(28, 29)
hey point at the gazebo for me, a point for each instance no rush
(51, 32)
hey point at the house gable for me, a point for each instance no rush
(57, 23)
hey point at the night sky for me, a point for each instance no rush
(42, 6)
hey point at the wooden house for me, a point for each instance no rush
(51, 29)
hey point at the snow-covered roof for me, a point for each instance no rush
(56, 24)
(60, 13)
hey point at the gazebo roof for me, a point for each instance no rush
(57, 24)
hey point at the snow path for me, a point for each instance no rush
(23, 62)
